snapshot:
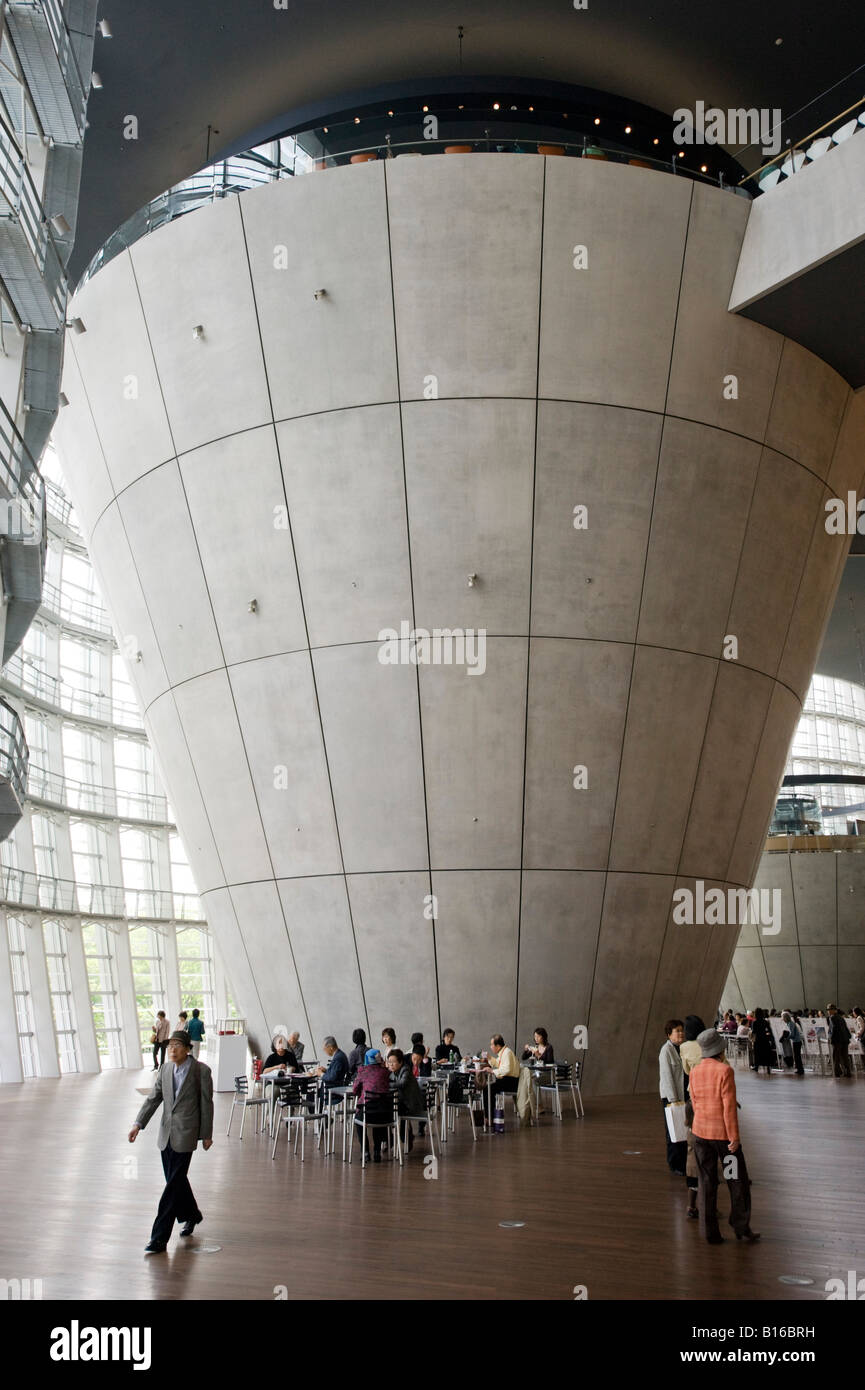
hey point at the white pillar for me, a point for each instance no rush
(47, 1063)
(10, 1053)
(88, 1051)
(171, 972)
(126, 1003)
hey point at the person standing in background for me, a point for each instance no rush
(715, 1128)
(161, 1030)
(672, 1088)
(195, 1029)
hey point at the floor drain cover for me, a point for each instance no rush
(509, 1224)
(795, 1279)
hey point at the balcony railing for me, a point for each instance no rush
(36, 283)
(59, 505)
(78, 612)
(21, 888)
(44, 785)
(26, 676)
(14, 755)
(327, 148)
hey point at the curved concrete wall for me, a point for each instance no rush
(555, 387)
(818, 956)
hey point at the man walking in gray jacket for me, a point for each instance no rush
(184, 1089)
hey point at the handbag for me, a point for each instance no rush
(675, 1115)
(153, 1036)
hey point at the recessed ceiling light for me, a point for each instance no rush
(597, 120)
(681, 154)
(655, 141)
(324, 128)
(627, 130)
(426, 108)
(357, 120)
(703, 169)
(531, 108)
(778, 41)
(495, 106)
(390, 113)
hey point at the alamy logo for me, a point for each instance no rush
(443, 646)
(853, 1291)
(734, 127)
(737, 907)
(76, 1343)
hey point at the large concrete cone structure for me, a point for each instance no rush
(406, 379)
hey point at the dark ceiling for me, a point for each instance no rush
(238, 65)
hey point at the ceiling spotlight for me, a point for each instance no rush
(95, 80)
(703, 169)
(77, 325)
(531, 108)
(513, 108)
(597, 120)
(390, 113)
(495, 106)
(655, 141)
(253, 605)
(105, 29)
(60, 225)
(63, 398)
(357, 120)
(681, 154)
(198, 331)
(324, 128)
(426, 108)
(778, 42)
(627, 130)
(138, 656)
(319, 294)
(473, 579)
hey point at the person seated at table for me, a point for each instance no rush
(388, 1041)
(372, 1088)
(335, 1073)
(417, 1038)
(541, 1051)
(506, 1072)
(411, 1101)
(296, 1046)
(447, 1050)
(357, 1054)
(421, 1063)
(281, 1059)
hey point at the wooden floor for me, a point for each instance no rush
(77, 1214)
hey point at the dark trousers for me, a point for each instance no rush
(177, 1202)
(708, 1152)
(797, 1057)
(159, 1050)
(677, 1154)
(504, 1083)
(841, 1059)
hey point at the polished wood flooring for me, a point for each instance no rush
(77, 1213)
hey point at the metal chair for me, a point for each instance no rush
(292, 1100)
(392, 1127)
(471, 1095)
(565, 1079)
(429, 1088)
(244, 1099)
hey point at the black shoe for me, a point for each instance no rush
(155, 1248)
(191, 1225)
(715, 1240)
(692, 1213)
(376, 1158)
(750, 1236)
